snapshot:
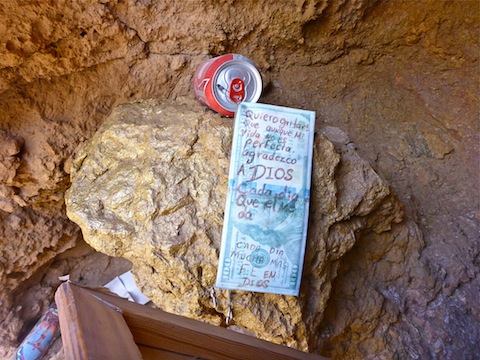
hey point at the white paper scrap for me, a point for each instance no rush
(64, 277)
(125, 287)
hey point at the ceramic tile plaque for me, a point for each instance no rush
(266, 213)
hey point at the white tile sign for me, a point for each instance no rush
(266, 213)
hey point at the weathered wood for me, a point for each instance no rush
(96, 325)
(158, 329)
(90, 329)
(149, 353)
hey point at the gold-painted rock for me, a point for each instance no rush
(150, 186)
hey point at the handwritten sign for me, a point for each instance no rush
(266, 214)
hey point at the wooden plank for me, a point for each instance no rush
(158, 329)
(92, 329)
(149, 353)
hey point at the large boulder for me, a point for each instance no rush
(150, 186)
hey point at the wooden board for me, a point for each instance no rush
(96, 325)
(90, 329)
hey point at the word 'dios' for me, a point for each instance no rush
(223, 82)
(266, 213)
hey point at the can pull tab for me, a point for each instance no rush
(237, 90)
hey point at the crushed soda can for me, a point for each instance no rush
(41, 337)
(223, 82)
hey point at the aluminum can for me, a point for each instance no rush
(223, 82)
(41, 337)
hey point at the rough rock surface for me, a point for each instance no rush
(150, 186)
(400, 77)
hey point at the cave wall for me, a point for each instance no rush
(400, 77)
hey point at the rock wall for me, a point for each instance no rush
(400, 78)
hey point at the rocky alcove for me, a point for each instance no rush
(395, 88)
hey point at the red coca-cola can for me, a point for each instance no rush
(223, 82)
